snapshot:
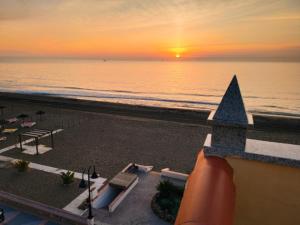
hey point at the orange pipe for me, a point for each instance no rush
(209, 196)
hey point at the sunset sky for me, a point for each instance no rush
(150, 29)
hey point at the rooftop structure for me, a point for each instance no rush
(261, 186)
(230, 121)
(230, 124)
(37, 134)
(209, 197)
(231, 109)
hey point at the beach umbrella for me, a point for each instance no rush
(2, 109)
(40, 113)
(3, 122)
(22, 116)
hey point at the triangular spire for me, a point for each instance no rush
(231, 108)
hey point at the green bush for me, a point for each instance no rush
(166, 202)
(21, 165)
(167, 189)
(67, 177)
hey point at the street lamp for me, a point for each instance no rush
(82, 184)
(94, 175)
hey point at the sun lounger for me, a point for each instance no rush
(9, 130)
(3, 139)
(12, 120)
(28, 124)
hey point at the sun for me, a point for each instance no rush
(177, 52)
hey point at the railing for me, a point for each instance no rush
(48, 212)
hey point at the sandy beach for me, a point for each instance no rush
(112, 135)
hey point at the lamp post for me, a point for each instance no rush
(82, 184)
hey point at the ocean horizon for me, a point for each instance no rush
(267, 87)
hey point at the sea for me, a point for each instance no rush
(267, 87)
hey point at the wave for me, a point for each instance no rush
(275, 113)
(160, 99)
(153, 93)
(115, 90)
(194, 105)
(141, 98)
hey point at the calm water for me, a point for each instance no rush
(266, 87)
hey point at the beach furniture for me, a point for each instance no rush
(32, 150)
(3, 139)
(9, 130)
(28, 124)
(12, 120)
(22, 116)
(2, 109)
(40, 113)
(36, 134)
(2, 123)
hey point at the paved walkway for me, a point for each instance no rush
(136, 208)
(15, 217)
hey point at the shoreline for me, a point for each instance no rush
(262, 121)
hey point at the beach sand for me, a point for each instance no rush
(39, 186)
(112, 135)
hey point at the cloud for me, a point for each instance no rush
(275, 18)
(22, 9)
(150, 25)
